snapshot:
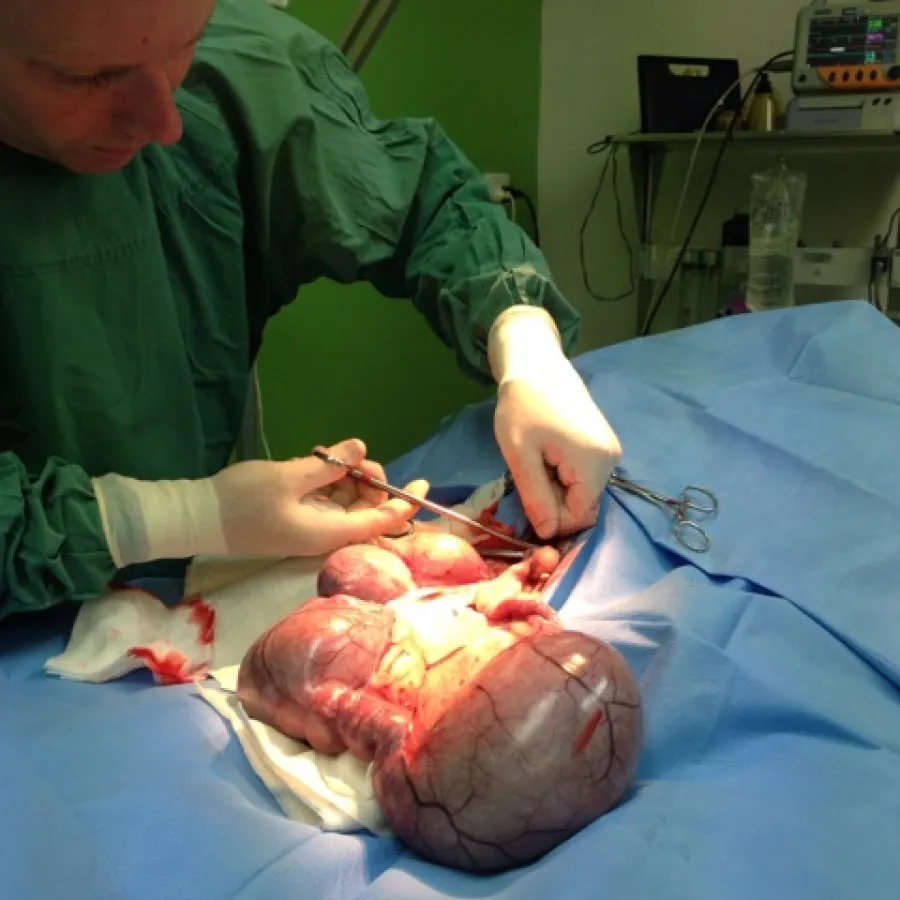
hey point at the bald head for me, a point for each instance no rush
(89, 83)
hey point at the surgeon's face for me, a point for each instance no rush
(88, 83)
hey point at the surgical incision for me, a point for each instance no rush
(494, 733)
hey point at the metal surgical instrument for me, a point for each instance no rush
(430, 505)
(693, 499)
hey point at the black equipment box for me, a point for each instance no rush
(678, 92)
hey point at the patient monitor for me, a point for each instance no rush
(846, 73)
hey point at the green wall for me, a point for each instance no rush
(345, 361)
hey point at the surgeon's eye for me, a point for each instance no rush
(88, 81)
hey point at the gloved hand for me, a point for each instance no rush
(559, 447)
(301, 507)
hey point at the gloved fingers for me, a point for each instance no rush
(349, 491)
(361, 525)
(365, 492)
(323, 526)
(540, 493)
(579, 510)
(313, 474)
(584, 474)
(418, 488)
(402, 508)
(352, 451)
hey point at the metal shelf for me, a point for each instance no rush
(647, 152)
(820, 266)
(696, 289)
(836, 139)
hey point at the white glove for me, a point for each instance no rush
(302, 507)
(559, 447)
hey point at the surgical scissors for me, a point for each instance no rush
(697, 499)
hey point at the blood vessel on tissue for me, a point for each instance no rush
(494, 733)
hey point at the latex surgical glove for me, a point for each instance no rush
(301, 507)
(558, 446)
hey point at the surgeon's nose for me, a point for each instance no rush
(151, 113)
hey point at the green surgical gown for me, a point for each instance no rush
(133, 304)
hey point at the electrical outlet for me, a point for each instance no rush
(498, 185)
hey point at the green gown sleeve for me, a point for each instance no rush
(340, 194)
(52, 545)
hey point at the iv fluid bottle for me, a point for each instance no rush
(776, 209)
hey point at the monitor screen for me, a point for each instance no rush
(852, 40)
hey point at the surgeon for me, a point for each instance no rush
(172, 172)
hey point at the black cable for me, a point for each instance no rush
(882, 259)
(519, 194)
(882, 245)
(611, 150)
(729, 134)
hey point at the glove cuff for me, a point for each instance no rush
(151, 520)
(522, 340)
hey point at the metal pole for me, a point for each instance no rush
(380, 12)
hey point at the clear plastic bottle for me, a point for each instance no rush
(776, 210)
